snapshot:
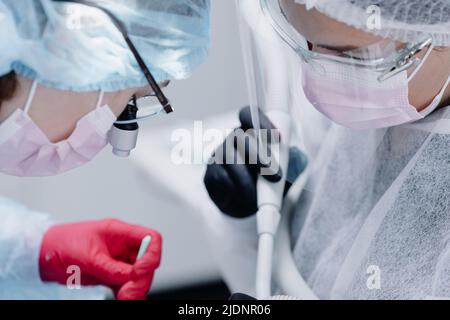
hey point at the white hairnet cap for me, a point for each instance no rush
(401, 20)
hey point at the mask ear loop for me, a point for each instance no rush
(419, 67)
(30, 98)
(100, 99)
(437, 100)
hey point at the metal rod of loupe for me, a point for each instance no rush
(121, 27)
(155, 87)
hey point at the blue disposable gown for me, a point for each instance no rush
(21, 233)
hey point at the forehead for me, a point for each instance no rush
(320, 29)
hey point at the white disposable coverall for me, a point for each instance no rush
(373, 221)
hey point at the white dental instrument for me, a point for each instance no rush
(144, 246)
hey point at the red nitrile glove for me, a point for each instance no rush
(105, 251)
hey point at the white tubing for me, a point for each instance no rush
(270, 197)
(268, 218)
(285, 272)
(264, 266)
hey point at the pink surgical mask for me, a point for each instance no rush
(356, 99)
(26, 151)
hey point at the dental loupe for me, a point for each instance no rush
(123, 136)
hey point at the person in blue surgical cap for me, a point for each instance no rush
(67, 71)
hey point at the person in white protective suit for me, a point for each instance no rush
(373, 221)
(69, 70)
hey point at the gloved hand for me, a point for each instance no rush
(105, 251)
(232, 187)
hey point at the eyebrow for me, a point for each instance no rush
(337, 48)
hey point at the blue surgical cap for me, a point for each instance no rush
(70, 46)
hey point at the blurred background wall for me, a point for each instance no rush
(128, 189)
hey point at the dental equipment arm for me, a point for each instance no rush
(276, 97)
(274, 89)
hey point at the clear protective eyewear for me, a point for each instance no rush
(152, 108)
(386, 57)
(162, 104)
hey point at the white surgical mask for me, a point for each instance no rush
(355, 98)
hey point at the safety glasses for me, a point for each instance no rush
(391, 62)
(164, 105)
